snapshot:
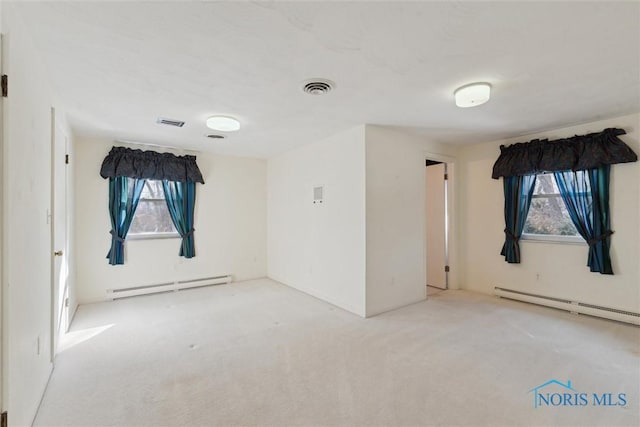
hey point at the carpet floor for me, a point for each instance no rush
(261, 353)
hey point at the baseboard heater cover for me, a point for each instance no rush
(571, 306)
(167, 286)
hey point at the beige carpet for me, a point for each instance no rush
(432, 290)
(260, 353)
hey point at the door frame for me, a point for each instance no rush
(451, 217)
(437, 181)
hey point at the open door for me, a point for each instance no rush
(3, 308)
(60, 264)
(437, 226)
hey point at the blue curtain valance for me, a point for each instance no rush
(581, 152)
(139, 164)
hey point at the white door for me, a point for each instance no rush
(436, 226)
(3, 310)
(59, 288)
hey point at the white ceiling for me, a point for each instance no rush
(117, 66)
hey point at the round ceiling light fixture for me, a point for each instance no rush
(472, 95)
(223, 123)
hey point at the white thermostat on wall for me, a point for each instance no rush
(318, 194)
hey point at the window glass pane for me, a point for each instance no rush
(546, 184)
(548, 215)
(152, 214)
(152, 190)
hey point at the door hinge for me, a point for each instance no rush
(4, 82)
(446, 176)
(66, 302)
(3, 420)
(66, 159)
(446, 268)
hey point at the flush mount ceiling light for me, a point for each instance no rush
(472, 94)
(223, 123)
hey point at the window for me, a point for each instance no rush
(548, 218)
(152, 219)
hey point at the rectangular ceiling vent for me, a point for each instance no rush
(170, 122)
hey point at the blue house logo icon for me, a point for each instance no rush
(554, 399)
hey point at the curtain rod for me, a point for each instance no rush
(150, 144)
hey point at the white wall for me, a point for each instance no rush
(230, 224)
(561, 268)
(320, 248)
(26, 233)
(395, 217)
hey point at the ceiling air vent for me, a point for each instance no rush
(318, 86)
(213, 136)
(170, 122)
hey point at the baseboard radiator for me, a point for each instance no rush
(167, 287)
(571, 306)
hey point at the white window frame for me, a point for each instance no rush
(552, 238)
(149, 236)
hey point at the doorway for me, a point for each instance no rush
(437, 226)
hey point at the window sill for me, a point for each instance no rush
(562, 240)
(151, 236)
